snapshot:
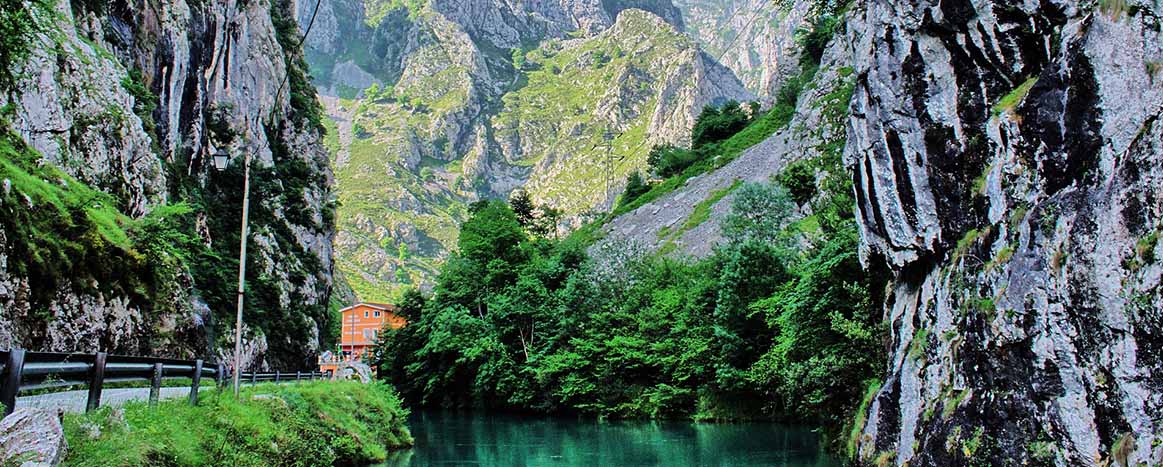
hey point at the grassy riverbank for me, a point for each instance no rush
(321, 423)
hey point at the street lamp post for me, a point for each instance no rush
(221, 159)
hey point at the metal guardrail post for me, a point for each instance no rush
(96, 381)
(197, 380)
(220, 375)
(155, 384)
(298, 376)
(278, 376)
(10, 386)
(253, 378)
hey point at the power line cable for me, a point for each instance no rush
(287, 76)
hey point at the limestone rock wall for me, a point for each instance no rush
(1008, 159)
(754, 38)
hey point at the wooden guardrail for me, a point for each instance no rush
(23, 371)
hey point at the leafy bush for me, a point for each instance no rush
(800, 181)
(718, 123)
(635, 187)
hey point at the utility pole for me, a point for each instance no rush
(241, 272)
(609, 146)
(609, 137)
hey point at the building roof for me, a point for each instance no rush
(374, 306)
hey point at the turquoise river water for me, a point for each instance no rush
(498, 440)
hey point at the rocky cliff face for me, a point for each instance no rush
(1008, 159)
(132, 98)
(476, 99)
(754, 38)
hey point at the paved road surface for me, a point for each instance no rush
(74, 401)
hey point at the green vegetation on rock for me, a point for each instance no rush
(18, 21)
(59, 230)
(1010, 101)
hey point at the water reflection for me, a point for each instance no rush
(444, 438)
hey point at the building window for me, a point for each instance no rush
(377, 314)
(365, 314)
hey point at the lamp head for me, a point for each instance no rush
(221, 159)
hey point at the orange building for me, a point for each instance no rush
(361, 323)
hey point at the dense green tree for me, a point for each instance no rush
(829, 332)
(718, 123)
(667, 161)
(635, 187)
(523, 207)
(800, 181)
(759, 212)
(772, 324)
(493, 232)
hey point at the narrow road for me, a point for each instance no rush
(74, 401)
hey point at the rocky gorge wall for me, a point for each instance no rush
(754, 38)
(1008, 159)
(132, 98)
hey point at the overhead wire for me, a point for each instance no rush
(287, 76)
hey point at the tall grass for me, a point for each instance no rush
(319, 423)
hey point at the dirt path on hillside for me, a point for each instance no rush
(344, 120)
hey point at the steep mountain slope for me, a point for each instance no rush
(1007, 158)
(472, 101)
(117, 234)
(805, 128)
(754, 38)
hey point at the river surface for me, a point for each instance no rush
(498, 440)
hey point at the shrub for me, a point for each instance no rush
(718, 123)
(635, 187)
(800, 181)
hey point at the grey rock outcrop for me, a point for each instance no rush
(1008, 159)
(354, 371)
(32, 438)
(754, 38)
(72, 107)
(508, 25)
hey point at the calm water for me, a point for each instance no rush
(491, 440)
